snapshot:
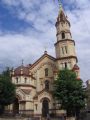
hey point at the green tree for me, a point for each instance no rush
(70, 92)
(7, 90)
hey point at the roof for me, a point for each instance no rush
(41, 58)
(25, 70)
(76, 67)
(62, 17)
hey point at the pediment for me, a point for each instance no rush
(43, 60)
(43, 94)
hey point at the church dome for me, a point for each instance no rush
(21, 70)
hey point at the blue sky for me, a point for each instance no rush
(29, 25)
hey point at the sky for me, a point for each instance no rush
(28, 26)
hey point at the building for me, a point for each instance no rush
(88, 95)
(35, 81)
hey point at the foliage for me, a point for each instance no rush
(69, 91)
(7, 89)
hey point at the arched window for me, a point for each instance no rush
(25, 80)
(66, 49)
(47, 85)
(16, 79)
(62, 50)
(36, 106)
(46, 72)
(65, 65)
(63, 35)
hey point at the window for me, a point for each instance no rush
(46, 72)
(63, 35)
(66, 49)
(65, 65)
(25, 80)
(47, 85)
(36, 106)
(62, 50)
(16, 80)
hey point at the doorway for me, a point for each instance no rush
(16, 106)
(45, 108)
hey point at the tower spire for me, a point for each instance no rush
(60, 5)
(22, 62)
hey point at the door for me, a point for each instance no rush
(16, 106)
(45, 108)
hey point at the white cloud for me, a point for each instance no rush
(42, 14)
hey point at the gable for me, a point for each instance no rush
(44, 59)
(43, 94)
(20, 93)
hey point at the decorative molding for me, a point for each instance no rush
(41, 58)
(69, 57)
(23, 85)
(24, 76)
(65, 40)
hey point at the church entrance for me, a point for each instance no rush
(45, 108)
(16, 106)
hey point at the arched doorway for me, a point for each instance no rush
(45, 108)
(16, 106)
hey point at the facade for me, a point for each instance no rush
(35, 81)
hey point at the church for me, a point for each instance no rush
(34, 82)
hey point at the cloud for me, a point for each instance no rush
(41, 15)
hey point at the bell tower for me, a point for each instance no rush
(65, 45)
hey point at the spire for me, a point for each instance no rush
(45, 49)
(22, 62)
(60, 5)
(61, 15)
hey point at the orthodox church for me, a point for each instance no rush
(34, 82)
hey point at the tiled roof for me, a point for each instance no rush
(76, 67)
(24, 69)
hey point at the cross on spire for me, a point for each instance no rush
(60, 4)
(45, 48)
(22, 62)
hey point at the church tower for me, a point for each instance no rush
(65, 45)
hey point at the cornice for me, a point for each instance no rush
(25, 85)
(65, 40)
(69, 57)
(23, 75)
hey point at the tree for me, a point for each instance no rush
(7, 90)
(70, 92)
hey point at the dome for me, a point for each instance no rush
(21, 70)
